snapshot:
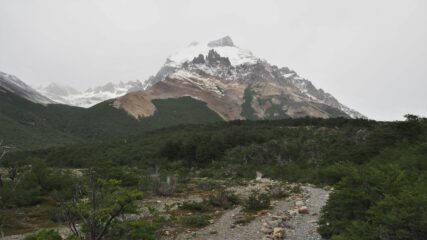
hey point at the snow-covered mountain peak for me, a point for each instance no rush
(222, 42)
(224, 46)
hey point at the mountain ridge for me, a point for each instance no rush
(218, 72)
(91, 96)
(216, 62)
(15, 85)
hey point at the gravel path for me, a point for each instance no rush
(296, 226)
(304, 226)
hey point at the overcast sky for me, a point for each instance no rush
(370, 54)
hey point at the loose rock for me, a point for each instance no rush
(303, 210)
(278, 233)
(266, 230)
(299, 203)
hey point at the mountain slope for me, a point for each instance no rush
(15, 85)
(29, 125)
(235, 84)
(25, 124)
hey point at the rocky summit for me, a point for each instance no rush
(235, 84)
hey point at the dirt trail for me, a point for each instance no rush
(284, 214)
(304, 226)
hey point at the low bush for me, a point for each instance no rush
(135, 230)
(196, 220)
(279, 191)
(45, 235)
(223, 199)
(296, 189)
(256, 202)
(194, 206)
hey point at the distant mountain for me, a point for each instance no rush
(27, 122)
(203, 83)
(235, 84)
(90, 97)
(15, 85)
(231, 81)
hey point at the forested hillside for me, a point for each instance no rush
(29, 125)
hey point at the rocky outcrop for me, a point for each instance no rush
(199, 59)
(214, 59)
(136, 104)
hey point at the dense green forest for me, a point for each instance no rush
(378, 169)
(28, 125)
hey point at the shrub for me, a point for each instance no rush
(194, 206)
(257, 202)
(45, 235)
(196, 220)
(134, 230)
(279, 191)
(223, 199)
(25, 193)
(72, 237)
(296, 189)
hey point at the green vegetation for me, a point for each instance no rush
(378, 170)
(97, 203)
(31, 126)
(194, 206)
(26, 124)
(197, 220)
(257, 202)
(223, 199)
(135, 230)
(45, 235)
(247, 111)
(215, 200)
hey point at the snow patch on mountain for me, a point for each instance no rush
(92, 96)
(203, 83)
(317, 95)
(224, 46)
